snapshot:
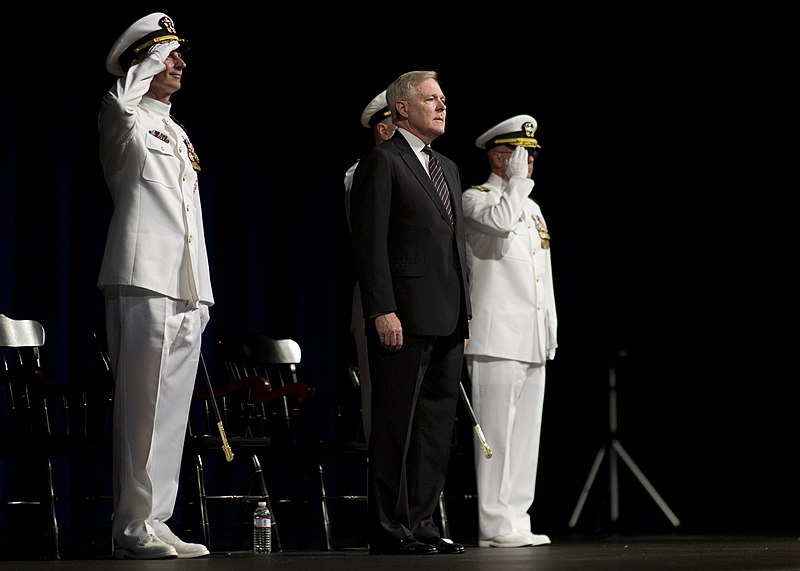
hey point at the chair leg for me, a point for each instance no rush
(326, 520)
(258, 474)
(203, 500)
(52, 507)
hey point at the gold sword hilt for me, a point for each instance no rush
(484, 445)
(225, 446)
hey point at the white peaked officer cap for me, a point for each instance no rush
(376, 111)
(515, 132)
(156, 28)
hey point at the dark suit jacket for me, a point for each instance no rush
(408, 256)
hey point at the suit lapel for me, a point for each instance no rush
(410, 159)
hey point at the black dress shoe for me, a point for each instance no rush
(405, 547)
(443, 545)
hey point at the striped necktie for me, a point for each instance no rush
(437, 176)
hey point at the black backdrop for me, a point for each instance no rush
(668, 236)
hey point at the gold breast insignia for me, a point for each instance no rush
(542, 229)
(193, 158)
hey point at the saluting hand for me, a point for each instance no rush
(517, 163)
(163, 49)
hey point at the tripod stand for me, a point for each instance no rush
(615, 449)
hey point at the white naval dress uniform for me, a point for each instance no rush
(357, 327)
(513, 334)
(155, 279)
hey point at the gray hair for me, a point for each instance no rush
(404, 87)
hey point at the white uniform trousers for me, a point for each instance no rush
(357, 326)
(154, 347)
(507, 397)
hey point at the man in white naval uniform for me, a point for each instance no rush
(377, 117)
(513, 330)
(155, 280)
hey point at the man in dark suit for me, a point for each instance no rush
(409, 253)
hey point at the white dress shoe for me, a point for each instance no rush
(147, 546)
(538, 539)
(183, 549)
(515, 539)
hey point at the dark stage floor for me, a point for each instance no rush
(706, 553)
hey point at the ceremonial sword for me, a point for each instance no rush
(475, 425)
(225, 446)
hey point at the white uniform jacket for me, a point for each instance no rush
(511, 282)
(356, 313)
(156, 238)
(348, 184)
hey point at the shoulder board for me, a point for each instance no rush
(481, 188)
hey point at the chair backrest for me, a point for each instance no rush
(20, 341)
(37, 406)
(246, 355)
(269, 367)
(20, 333)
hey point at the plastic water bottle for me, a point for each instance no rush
(262, 529)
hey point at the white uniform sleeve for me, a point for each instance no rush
(117, 117)
(497, 218)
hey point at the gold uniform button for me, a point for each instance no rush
(190, 238)
(188, 208)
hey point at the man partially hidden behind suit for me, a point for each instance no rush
(409, 254)
(378, 118)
